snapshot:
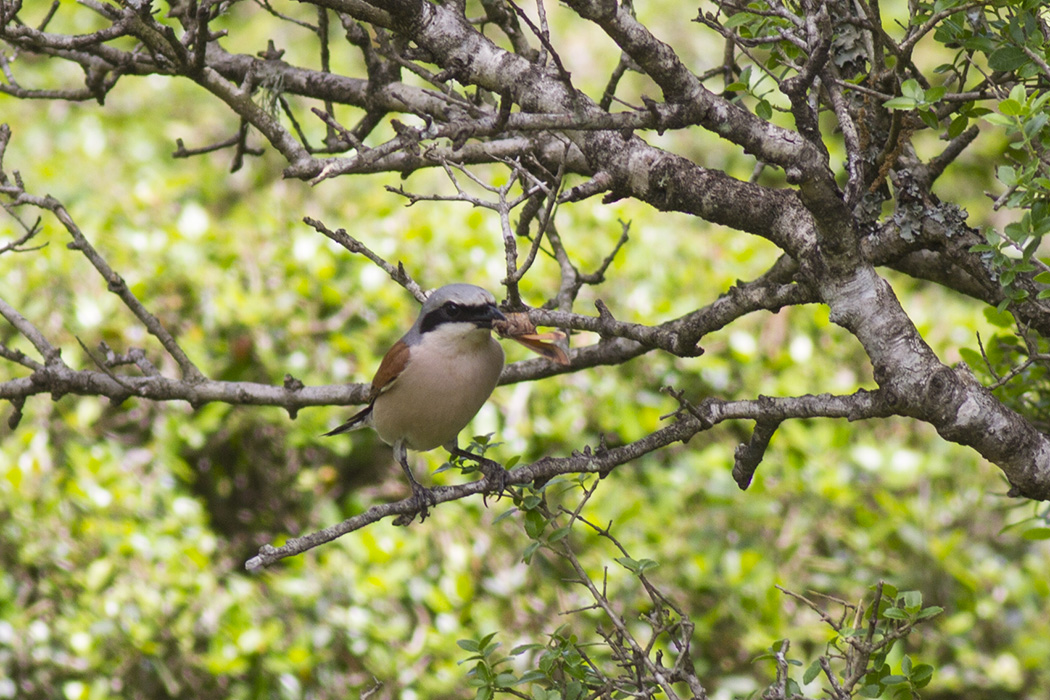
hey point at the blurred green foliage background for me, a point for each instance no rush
(124, 529)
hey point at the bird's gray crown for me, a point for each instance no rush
(463, 294)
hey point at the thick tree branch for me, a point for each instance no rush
(765, 141)
(58, 380)
(602, 460)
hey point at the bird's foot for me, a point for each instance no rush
(495, 478)
(422, 499)
(494, 473)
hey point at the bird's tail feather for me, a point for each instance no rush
(358, 420)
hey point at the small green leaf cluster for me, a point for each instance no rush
(537, 518)
(637, 567)
(560, 673)
(1000, 33)
(859, 658)
(1006, 34)
(756, 80)
(924, 102)
(1024, 118)
(1010, 40)
(624, 659)
(1013, 363)
(895, 617)
(758, 85)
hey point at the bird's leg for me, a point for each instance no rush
(495, 474)
(421, 495)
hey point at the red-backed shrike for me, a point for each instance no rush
(435, 379)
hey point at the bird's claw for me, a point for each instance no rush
(422, 499)
(495, 479)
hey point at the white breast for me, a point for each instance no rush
(450, 375)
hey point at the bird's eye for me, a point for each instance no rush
(453, 310)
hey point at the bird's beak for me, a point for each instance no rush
(490, 314)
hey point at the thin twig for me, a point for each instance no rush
(398, 274)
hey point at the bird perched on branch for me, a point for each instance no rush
(435, 379)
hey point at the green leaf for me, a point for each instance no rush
(1010, 108)
(1007, 58)
(1034, 125)
(929, 118)
(921, 675)
(505, 680)
(628, 563)
(504, 515)
(811, 673)
(529, 551)
(895, 614)
(999, 319)
(888, 591)
(468, 645)
(522, 648)
(900, 103)
(560, 533)
(935, 93)
(972, 357)
(531, 676)
(530, 501)
(929, 612)
(911, 88)
(647, 565)
(740, 18)
(1037, 533)
(958, 126)
(912, 599)
(998, 119)
(764, 110)
(535, 523)
(1018, 231)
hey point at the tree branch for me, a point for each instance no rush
(689, 422)
(114, 282)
